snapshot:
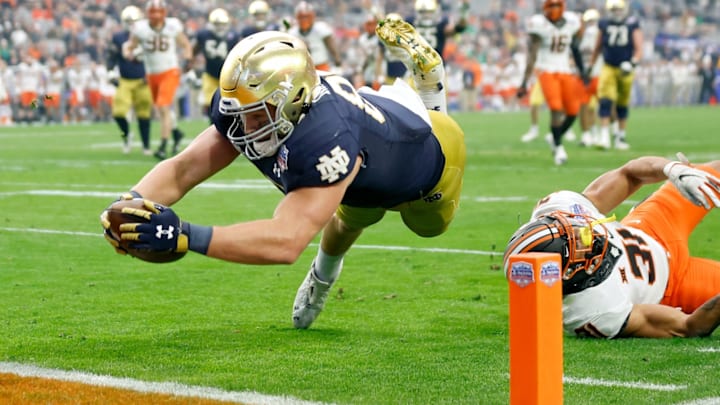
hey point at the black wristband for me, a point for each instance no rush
(135, 194)
(198, 237)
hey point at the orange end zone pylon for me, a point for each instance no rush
(536, 335)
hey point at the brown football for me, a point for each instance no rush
(116, 218)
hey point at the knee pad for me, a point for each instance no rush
(622, 112)
(605, 107)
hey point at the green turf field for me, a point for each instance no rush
(411, 320)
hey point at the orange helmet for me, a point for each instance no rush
(553, 9)
(156, 12)
(305, 16)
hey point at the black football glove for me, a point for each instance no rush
(521, 91)
(161, 233)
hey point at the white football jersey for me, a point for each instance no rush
(640, 275)
(159, 47)
(315, 41)
(29, 77)
(554, 52)
(55, 82)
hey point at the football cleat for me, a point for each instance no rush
(529, 136)
(603, 141)
(399, 35)
(586, 140)
(559, 155)
(310, 299)
(570, 135)
(160, 154)
(126, 139)
(621, 144)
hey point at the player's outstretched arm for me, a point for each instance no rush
(662, 321)
(612, 188)
(697, 186)
(170, 179)
(297, 219)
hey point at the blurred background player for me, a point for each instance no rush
(620, 43)
(434, 26)
(30, 79)
(553, 35)
(213, 43)
(318, 36)
(160, 36)
(132, 96)
(588, 100)
(55, 84)
(260, 19)
(369, 44)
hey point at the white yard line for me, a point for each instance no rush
(171, 388)
(596, 382)
(371, 247)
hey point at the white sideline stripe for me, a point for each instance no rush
(374, 247)
(638, 385)
(709, 350)
(171, 388)
(702, 401)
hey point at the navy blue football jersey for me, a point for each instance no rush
(401, 158)
(214, 48)
(251, 29)
(617, 40)
(129, 69)
(434, 33)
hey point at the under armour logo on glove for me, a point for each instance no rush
(167, 232)
(160, 229)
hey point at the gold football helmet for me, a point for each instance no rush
(219, 21)
(617, 9)
(129, 15)
(427, 11)
(260, 12)
(269, 71)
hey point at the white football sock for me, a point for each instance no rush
(431, 88)
(327, 267)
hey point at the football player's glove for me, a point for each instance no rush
(627, 67)
(522, 91)
(105, 221)
(160, 229)
(585, 76)
(694, 184)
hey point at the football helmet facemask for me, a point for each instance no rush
(554, 9)
(219, 21)
(269, 71)
(130, 15)
(617, 9)
(581, 241)
(259, 10)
